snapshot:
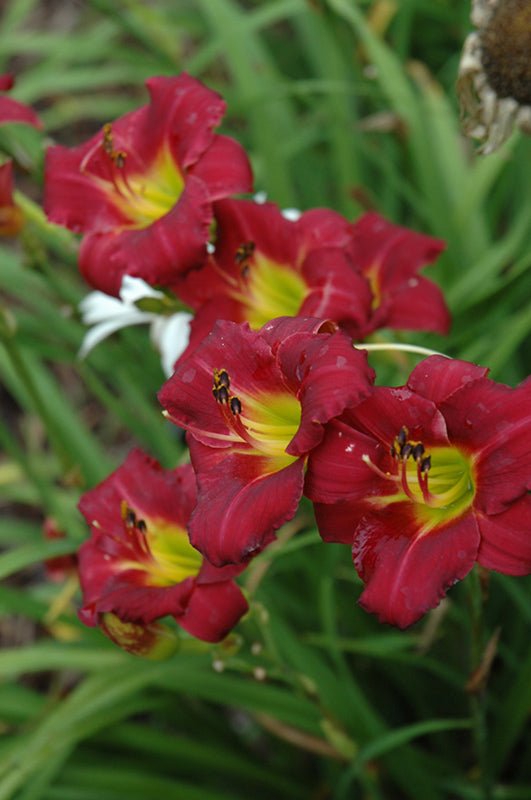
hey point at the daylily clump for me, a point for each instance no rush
(255, 404)
(141, 190)
(139, 566)
(423, 481)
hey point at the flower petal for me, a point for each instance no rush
(213, 610)
(224, 168)
(336, 470)
(506, 540)
(336, 291)
(14, 111)
(157, 253)
(388, 410)
(242, 500)
(415, 305)
(437, 377)
(171, 336)
(332, 375)
(494, 422)
(407, 573)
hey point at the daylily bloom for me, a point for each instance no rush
(390, 258)
(170, 330)
(423, 481)
(139, 565)
(12, 110)
(11, 217)
(362, 276)
(142, 189)
(254, 404)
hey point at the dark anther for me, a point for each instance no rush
(235, 405)
(418, 451)
(119, 158)
(244, 252)
(141, 526)
(406, 450)
(223, 378)
(130, 517)
(425, 464)
(402, 436)
(223, 395)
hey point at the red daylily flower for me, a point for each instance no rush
(139, 565)
(11, 217)
(390, 257)
(266, 266)
(423, 481)
(141, 190)
(362, 276)
(12, 110)
(254, 404)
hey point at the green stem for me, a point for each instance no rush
(478, 698)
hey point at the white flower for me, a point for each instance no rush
(170, 333)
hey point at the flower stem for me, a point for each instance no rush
(406, 348)
(478, 689)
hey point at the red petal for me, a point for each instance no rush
(494, 421)
(506, 540)
(157, 253)
(241, 502)
(388, 410)
(333, 376)
(336, 291)
(392, 253)
(415, 305)
(13, 111)
(213, 610)
(224, 168)
(321, 227)
(408, 573)
(336, 470)
(337, 522)
(72, 198)
(437, 377)
(183, 112)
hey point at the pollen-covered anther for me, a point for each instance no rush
(118, 157)
(221, 386)
(243, 255)
(235, 405)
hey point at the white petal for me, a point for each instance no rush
(104, 329)
(98, 307)
(260, 197)
(171, 336)
(134, 289)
